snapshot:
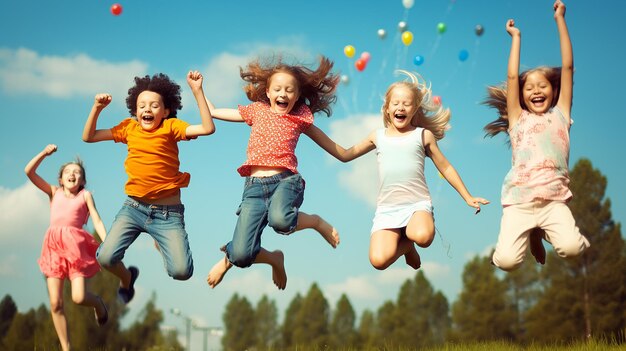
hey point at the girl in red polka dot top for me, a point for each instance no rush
(284, 98)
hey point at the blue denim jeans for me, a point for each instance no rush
(273, 201)
(166, 224)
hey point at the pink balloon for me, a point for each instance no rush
(366, 56)
(437, 99)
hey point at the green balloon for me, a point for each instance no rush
(441, 27)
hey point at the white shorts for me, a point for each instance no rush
(393, 217)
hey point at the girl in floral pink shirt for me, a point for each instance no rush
(284, 99)
(534, 110)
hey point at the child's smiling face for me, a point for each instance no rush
(72, 177)
(150, 110)
(401, 109)
(283, 92)
(537, 93)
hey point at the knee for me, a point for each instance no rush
(105, 258)
(281, 222)
(182, 273)
(378, 261)
(240, 257)
(78, 297)
(506, 263)
(423, 238)
(571, 248)
(56, 306)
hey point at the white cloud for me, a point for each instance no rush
(361, 178)
(24, 214)
(24, 71)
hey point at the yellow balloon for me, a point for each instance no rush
(407, 38)
(349, 50)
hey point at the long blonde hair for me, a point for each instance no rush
(429, 114)
(496, 97)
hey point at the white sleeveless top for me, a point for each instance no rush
(402, 185)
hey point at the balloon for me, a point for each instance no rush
(418, 60)
(407, 4)
(382, 33)
(345, 79)
(479, 30)
(463, 55)
(437, 99)
(116, 9)
(360, 64)
(402, 26)
(441, 27)
(365, 56)
(407, 38)
(349, 50)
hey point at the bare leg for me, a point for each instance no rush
(387, 245)
(536, 245)
(120, 271)
(81, 296)
(218, 271)
(276, 259)
(328, 232)
(55, 293)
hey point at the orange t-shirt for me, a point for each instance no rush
(152, 161)
(274, 136)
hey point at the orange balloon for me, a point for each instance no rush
(437, 99)
(360, 64)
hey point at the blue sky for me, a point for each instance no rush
(55, 56)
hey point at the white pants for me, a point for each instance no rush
(553, 217)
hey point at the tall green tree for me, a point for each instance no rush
(523, 291)
(585, 295)
(291, 315)
(367, 331)
(482, 311)
(311, 324)
(386, 323)
(239, 325)
(145, 332)
(266, 317)
(342, 332)
(8, 310)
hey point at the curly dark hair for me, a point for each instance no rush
(159, 83)
(317, 88)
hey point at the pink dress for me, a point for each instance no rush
(68, 251)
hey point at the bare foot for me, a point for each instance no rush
(412, 258)
(278, 269)
(328, 232)
(218, 271)
(536, 245)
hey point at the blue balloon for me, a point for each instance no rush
(418, 60)
(463, 55)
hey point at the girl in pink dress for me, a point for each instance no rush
(68, 251)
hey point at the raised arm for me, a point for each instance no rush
(449, 173)
(31, 170)
(336, 150)
(95, 216)
(194, 79)
(225, 114)
(90, 133)
(567, 61)
(513, 105)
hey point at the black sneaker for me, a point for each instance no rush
(102, 320)
(127, 294)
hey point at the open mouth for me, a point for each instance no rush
(399, 117)
(538, 101)
(147, 118)
(282, 104)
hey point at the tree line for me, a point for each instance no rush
(558, 303)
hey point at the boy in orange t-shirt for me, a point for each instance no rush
(154, 179)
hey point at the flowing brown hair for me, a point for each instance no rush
(317, 88)
(496, 98)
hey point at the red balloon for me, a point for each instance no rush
(116, 9)
(360, 64)
(437, 99)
